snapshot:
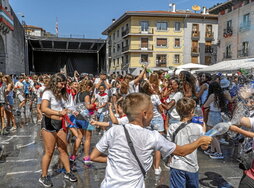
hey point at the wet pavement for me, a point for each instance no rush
(20, 165)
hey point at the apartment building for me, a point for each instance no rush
(156, 38)
(235, 33)
(200, 39)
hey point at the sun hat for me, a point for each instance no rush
(224, 83)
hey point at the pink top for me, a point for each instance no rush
(250, 172)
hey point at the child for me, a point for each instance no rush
(123, 169)
(121, 120)
(184, 170)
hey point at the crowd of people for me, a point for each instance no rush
(144, 120)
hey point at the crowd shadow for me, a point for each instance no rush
(214, 180)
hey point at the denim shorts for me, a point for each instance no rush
(214, 118)
(39, 100)
(157, 124)
(181, 178)
(10, 100)
(83, 124)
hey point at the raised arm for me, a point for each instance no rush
(189, 148)
(140, 76)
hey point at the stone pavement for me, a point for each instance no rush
(20, 165)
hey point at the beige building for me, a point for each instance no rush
(235, 33)
(156, 38)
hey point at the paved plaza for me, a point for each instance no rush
(20, 165)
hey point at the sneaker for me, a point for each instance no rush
(46, 181)
(216, 156)
(69, 176)
(13, 129)
(73, 158)
(208, 152)
(87, 160)
(223, 141)
(157, 171)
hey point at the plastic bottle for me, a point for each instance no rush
(218, 129)
(198, 117)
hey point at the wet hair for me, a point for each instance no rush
(120, 103)
(134, 103)
(154, 80)
(84, 84)
(52, 86)
(145, 87)
(215, 88)
(185, 106)
(190, 79)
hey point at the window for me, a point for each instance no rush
(162, 26)
(194, 59)
(117, 35)
(161, 60)
(229, 24)
(177, 26)
(144, 58)
(144, 42)
(117, 62)
(144, 26)
(161, 42)
(114, 49)
(126, 42)
(208, 60)
(195, 27)
(127, 26)
(209, 28)
(228, 51)
(177, 43)
(246, 19)
(118, 47)
(245, 48)
(114, 36)
(177, 59)
(114, 63)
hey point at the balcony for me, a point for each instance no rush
(138, 48)
(228, 32)
(245, 26)
(227, 55)
(148, 31)
(195, 35)
(195, 51)
(161, 64)
(209, 36)
(208, 49)
(125, 32)
(243, 53)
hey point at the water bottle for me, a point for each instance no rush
(198, 115)
(218, 129)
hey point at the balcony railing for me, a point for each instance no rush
(243, 53)
(195, 51)
(208, 49)
(209, 35)
(125, 32)
(227, 55)
(161, 64)
(138, 47)
(146, 31)
(245, 26)
(228, 32)
(195, 35)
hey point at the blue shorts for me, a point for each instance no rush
(214, 118)
(83, 124)
(39, 100)
(73, 120)
(181, 178)
(157, 124)
(10, 100)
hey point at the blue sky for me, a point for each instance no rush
(89, 17)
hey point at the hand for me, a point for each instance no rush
(93, 122)
(110, 105)
(63, 112)
(205, 140)
(204, 147)
(76, 113)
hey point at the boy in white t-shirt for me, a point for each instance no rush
(123, 169)
(184, 170)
